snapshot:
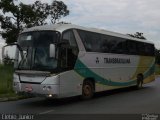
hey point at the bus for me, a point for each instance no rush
(65, 60)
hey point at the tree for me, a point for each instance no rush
(16, 17)
(138, 35)
(58, 10)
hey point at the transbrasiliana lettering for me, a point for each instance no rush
(117, 60)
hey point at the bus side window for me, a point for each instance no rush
(141, 49)
(132, 47)
(105, 45)
(119, 46)
(91, 41)
(88, 41)
(149, 49)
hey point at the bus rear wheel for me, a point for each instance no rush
(139, 81)
(87, 90)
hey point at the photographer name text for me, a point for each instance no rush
(17, 117)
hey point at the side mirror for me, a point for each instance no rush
(11, 48)
(52, 49)
(9, 51)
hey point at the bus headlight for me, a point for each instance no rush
(48, 88)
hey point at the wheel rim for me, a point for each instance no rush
(139, 83)
(87, 90)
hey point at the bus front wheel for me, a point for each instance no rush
(139, 81)
(87, 89)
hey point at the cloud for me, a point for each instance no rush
(119, 11)
(124, 16)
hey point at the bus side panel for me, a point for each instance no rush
(147, 67)
(111, 71)
(70, 84)
(107, 74)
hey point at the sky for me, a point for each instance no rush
(123, 16)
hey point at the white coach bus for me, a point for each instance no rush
(66, 60)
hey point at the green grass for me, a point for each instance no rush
(12, 96)
(6, 79)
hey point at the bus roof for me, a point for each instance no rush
(62, 27)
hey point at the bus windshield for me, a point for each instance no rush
(35, 47)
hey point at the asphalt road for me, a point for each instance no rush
(123, 101)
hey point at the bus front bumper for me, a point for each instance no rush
(42, 90)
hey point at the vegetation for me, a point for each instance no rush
(6, 76)
(14, 17)
(138, 35)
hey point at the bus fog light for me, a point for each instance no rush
(50, 95)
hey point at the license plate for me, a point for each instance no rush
(28, 88)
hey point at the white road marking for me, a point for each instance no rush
(45, 112)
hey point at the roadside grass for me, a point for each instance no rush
(12, 96)
(6, 79)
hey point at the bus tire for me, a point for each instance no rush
(87, 89)
(139, 81)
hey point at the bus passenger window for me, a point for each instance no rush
(104, 46)
(90, 40)
(149, 49)
(132, 48)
